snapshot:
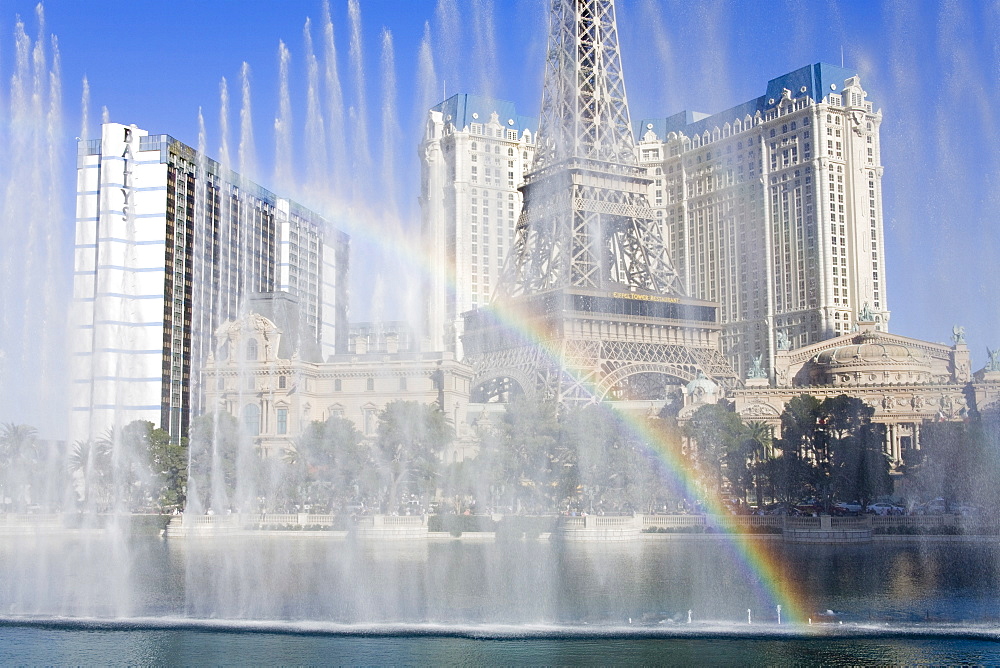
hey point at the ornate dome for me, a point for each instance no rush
(869, 359)
(701, 386)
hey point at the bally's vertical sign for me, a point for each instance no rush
(128, 194)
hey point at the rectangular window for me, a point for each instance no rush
(282, 421)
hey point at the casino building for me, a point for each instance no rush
(474, 154)
(906, 381)
(169, 245)
(257, 374)
(773, 209)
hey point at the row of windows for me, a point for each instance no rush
(283, 383)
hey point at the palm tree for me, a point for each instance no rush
(758, 442)
(17, 454)
(92, 462)
(17, 442)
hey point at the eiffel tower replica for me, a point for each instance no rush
(589, 306)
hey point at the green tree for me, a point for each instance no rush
(585, 457)
(799, 427)
(216, 451)
(855, 465)
(798, 472)
(331, 463)
(751, 448)
(523, 446)
(18, 454)
(716, 430)
(90, 463)
(654, 485)
(168, 461)
(410, 439)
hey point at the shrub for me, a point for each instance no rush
(460, 523)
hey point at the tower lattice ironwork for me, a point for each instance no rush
(588, 305)
(586, 221)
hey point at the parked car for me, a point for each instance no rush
(884, 508)
(935, 507)
(845, 508)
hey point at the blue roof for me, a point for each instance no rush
(813, 81)
(458, 109)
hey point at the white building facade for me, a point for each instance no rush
(474, 154)
(169, 244)
(275, 394)
(773, 209)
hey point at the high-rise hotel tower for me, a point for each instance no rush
(170, 245)
(773, 209)
(473, 157)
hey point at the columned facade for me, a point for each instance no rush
(906, 381)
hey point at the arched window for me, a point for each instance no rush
(251, 419)
(252, 350)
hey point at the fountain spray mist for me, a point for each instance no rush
(390, 126)
(32, 277)
(334, 105)
(85, 111)
(316, 163)
(448, 45)
(224, 158)
(283, 175)
(361, 162)
(247, 152)
(427, 80)
(485, 47)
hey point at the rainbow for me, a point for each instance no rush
(759, 556)
(762, 565)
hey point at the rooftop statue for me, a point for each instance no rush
(993, 362)
(756, 368)
(866, 315)
(958, 334)
(783, 342)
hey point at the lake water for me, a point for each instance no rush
(295, 600)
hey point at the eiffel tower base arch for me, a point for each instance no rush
(548, 349)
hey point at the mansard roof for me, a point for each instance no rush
(464, 109)
(813, 81)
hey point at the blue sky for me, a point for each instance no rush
(930, 67)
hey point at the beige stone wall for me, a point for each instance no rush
(908, 382)
(288, 394)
